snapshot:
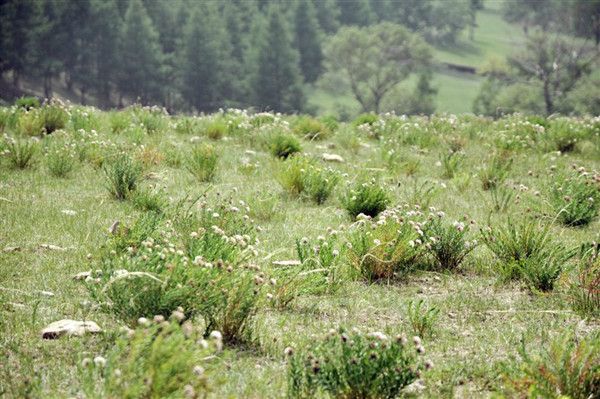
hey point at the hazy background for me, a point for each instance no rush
(339, 57)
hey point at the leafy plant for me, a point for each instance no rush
(149, 200)
(122, 175)
(421, 317)
(368, 198)
(354, 365)
(302, 177)
(447, 244)
(495, 172)
(502, 198)
(365, 119)
(310, 129)
(27, 103)
(60, 160)
(283, 145)
(575, 199)
(53, 117)
(20, 152)
(216, 130)
(451, 162)
(389, 247)
(202, 162)
(569, 368)
(584, 291)
(526, 251)
(159, 359)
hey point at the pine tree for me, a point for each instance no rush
(19, 29)
(307, 40)
(141, 59)
(107, 25)
(328, 14)
(355, 12)
(206, 57)
(277, 82)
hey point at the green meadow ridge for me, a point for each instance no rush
(242, 254)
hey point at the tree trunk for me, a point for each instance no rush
(548, 98)
(16, 81)
(47, 86)
(83, 91)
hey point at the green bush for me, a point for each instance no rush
(451, 162)
(447, 243)
(149, 200)
(526, 251)
(30, 123)
(354, 365)
(422, 318)
(53, 117)
(27, 103)
(202, 162)
(367, 198)
(390, 247)
(330, 122)
(86, 119)
(159, 359)
(575, 199)
(302, 177)
(283, 145)
(495, 171)
(187, 125)
(365, 119)
(20, 152)
(204, 271)
(119, 121)
(122, 175)
(216, 130)
(569, 368)
(310, 129)
(584, 289)
(60, 160)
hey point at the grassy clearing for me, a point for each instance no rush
(480, 317)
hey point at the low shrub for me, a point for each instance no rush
(86, 119)
(575, 199)
(310, 129)
(20, 152)
(149, 200)
(159, 359)
(283, 145)
(365, 119)
(216, 130)
(584, 288)
(53, 117)
(422, 318)
(27, 103)
(390, 247)
(152, 119)
(122, 175)
(202, 162)
(355, 365)
(495, 172)
(451, 162)
(30, 123)
(526, 251)
(304, 178)
(368, 198)
(569, 368)
(330, 122)
(60, 160)
(187, 125)
(119, 121)
(447, 243)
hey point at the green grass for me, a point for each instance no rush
(481, 319)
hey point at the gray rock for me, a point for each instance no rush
(70, 328)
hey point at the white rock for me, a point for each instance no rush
(250, 152)
(69, 328)
(332, 157)
(12, 249)
(69, 212)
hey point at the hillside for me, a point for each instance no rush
(493, 37)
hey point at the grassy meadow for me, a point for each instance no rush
(478, 237)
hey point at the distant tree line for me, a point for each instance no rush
(557, 71)
(200, 55)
